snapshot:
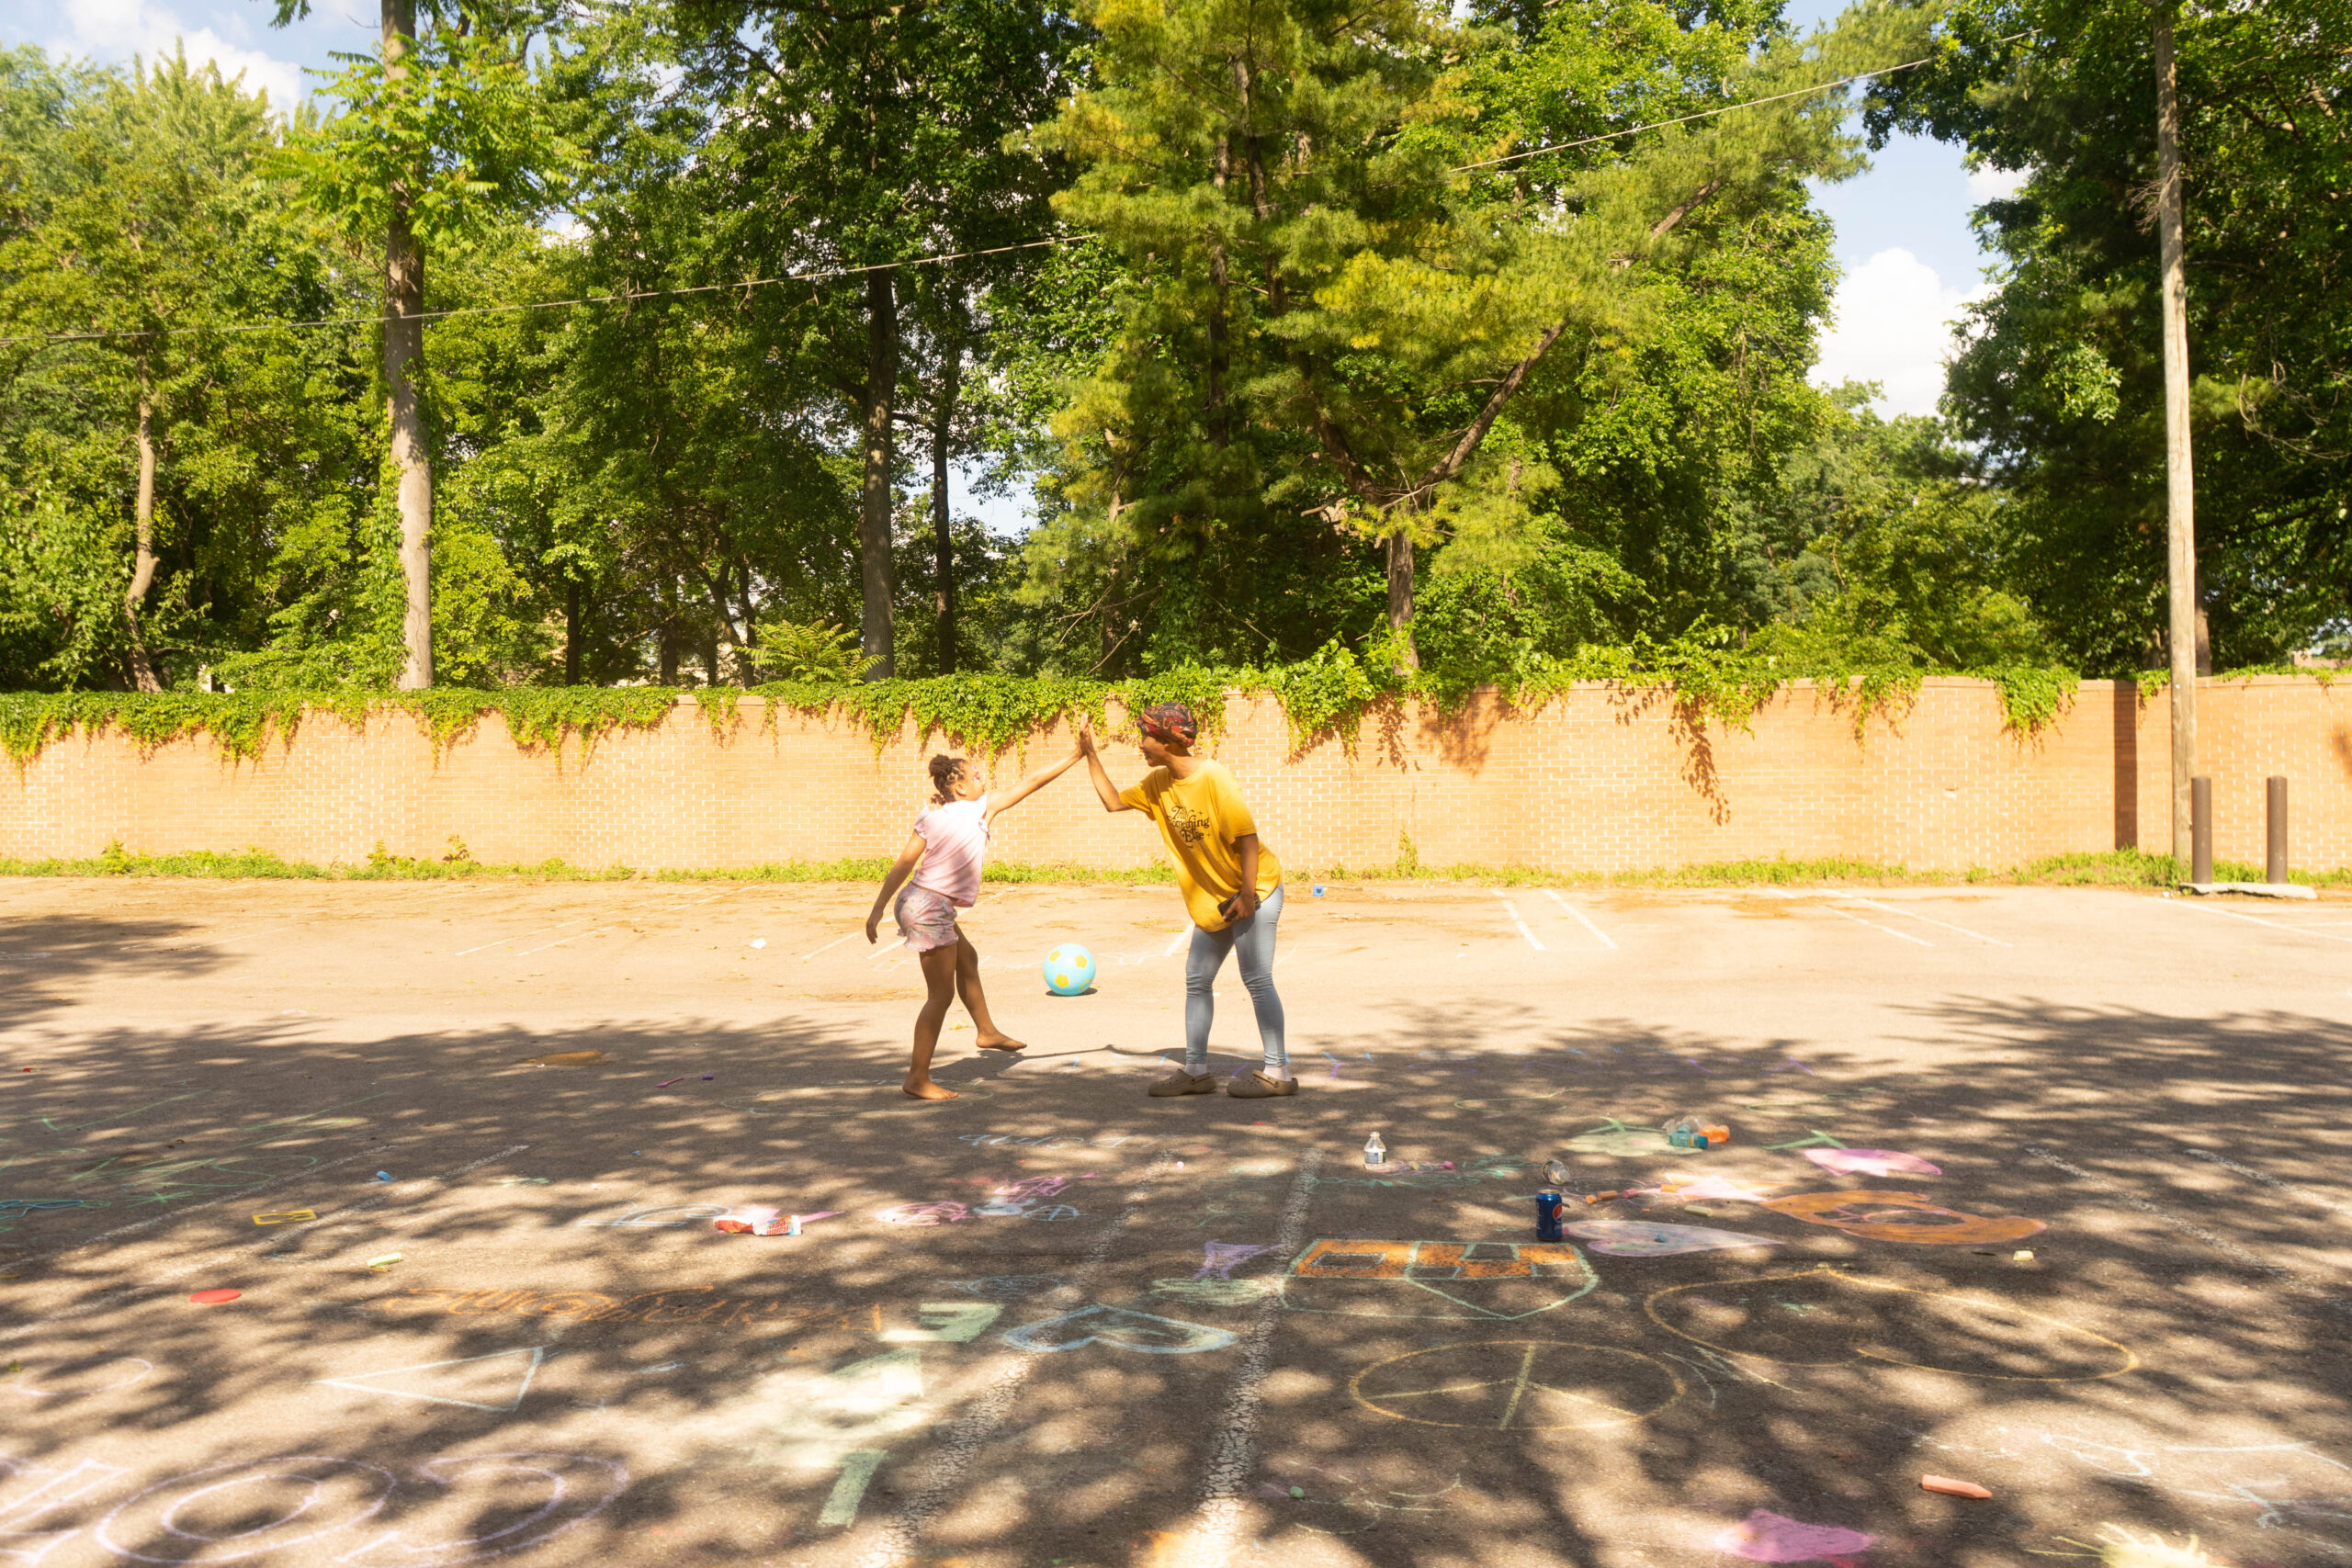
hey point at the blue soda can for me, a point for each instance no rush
(1547, 1216)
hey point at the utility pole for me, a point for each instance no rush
(2180, 491)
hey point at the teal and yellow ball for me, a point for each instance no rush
(1069, 970)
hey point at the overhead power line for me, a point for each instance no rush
(831, 274)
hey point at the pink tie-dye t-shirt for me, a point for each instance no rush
(955, 846)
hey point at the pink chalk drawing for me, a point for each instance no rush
(1643, 1238)
(1871, 1162)
(939, 1213)
(1219, 1259)
(1767, 1537)
(1720, 1189)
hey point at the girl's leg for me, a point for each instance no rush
(939, 973)
(1253, 946)
(975, 1000)
(1201, 965)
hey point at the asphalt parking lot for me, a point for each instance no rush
(2042, 1190)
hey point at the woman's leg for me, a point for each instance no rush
(1254, 947)
(939, 973)
(1201, 965)
(975, 1000)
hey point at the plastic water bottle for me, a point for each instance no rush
(792, 1225)
(1375, 1151)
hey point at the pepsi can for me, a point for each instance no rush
(1547, 1216)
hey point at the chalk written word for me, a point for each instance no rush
(688, 1303)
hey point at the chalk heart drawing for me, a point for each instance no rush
(1122, 1328)
(449, 1509)
(494, 1382)
(1518, 1385)
(1492, 1281)
(1767, 1537)
(1008, 1287)
(1642, 1238)
(1903, 1216)
(1871, 1162)
(1199, 1293)
(1823, 1317)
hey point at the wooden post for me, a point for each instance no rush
(2179, 478)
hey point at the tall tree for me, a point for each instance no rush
(437, 139)
(1357, 267)
(852, 141)
(2061, 378)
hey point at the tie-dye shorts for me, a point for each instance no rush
(926, 920)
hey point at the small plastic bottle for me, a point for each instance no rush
(1683, 1133)
(792, 1225)
(1375, 1151)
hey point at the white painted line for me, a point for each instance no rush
(1598, 934)
(2254, 919)
(900, 943)
(1520, 924)
(1892, 909)
(526, 936)
(1899, 936)
(583, 936)
(1173, 943)
(829, 946)
(1233, 1443)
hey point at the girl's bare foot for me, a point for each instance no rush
(1000, 1042)
(926, 1089)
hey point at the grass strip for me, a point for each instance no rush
(2114, 868)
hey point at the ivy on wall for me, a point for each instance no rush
(1326, 697)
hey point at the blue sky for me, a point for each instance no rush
(1904, 242)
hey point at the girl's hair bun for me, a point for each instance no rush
(945, 771)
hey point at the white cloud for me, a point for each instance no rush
(1893, 322)
(114, 30)
(1988, 184)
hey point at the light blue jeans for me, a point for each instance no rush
(1253, 941)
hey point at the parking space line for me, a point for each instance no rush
(1892, 909)
(827, 947)
(1598, 934)
(1173, 943)
(1520, 924)
(900, 943)
(1899, 936)
(2253, 920)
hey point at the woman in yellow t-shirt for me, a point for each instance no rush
(1232, 886)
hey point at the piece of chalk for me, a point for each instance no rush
(386, 1261)
(665, 1083)
(1301, 1491)
(2023, 1254)
(383, 1176)
(1951, 1488)
(213, 1298)
(708, 1076)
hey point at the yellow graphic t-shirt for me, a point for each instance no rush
(1200, 818)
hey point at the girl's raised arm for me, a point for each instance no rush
(1000, 804)
(900, 871)
(1104, 790)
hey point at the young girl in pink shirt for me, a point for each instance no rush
(945, 854)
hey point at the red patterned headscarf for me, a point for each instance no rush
(1169, 721)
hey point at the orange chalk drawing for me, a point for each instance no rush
(1902, 1216)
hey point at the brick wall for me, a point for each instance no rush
(1598, 781)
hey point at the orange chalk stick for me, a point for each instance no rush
(1951, 1488)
